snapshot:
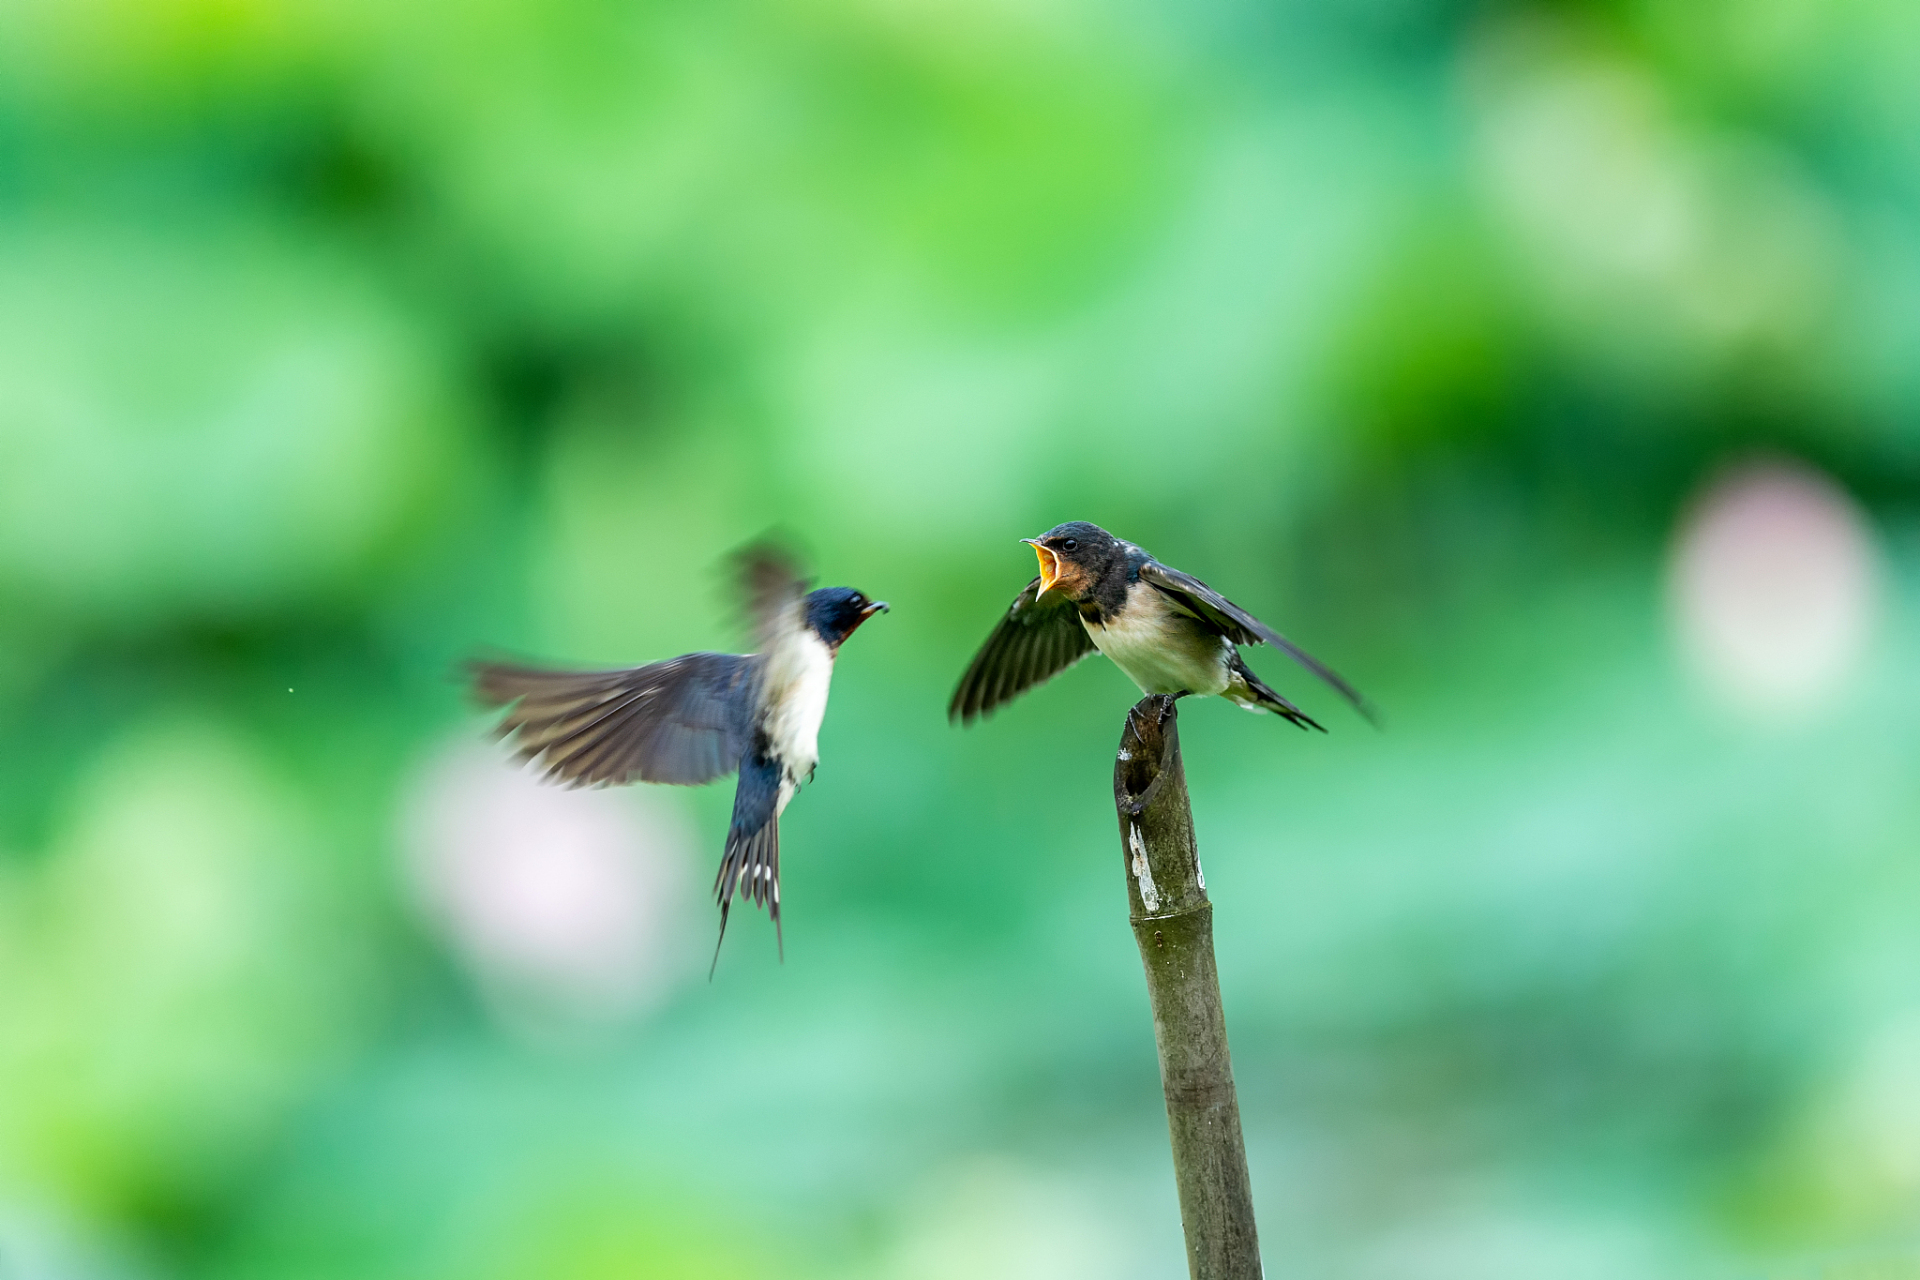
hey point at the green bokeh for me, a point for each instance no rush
(339, 341)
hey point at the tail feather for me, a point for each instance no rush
(1249, 691)
(750, 867)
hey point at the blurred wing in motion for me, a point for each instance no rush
(1036, 641)
(685, 720)
(772, 586)
(1241, 627)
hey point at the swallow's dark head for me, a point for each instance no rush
(1075, 558)
(835, 613)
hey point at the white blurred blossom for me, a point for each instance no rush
(1667, 242)
(1773, 588)
(559, 901)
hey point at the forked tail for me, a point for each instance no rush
(751, 868)
(1249, 691)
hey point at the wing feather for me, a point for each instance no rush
(685, 720)
(1241, 627)
(772, 588)
(1034, 642)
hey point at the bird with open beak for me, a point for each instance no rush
(1170, 632)
(691, 719)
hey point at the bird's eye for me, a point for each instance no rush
(1071, 544)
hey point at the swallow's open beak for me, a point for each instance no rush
(873, 607)
(1049, 566)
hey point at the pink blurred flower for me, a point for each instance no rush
(1774, 587)
(569, 901)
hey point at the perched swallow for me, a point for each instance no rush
(691, 719)
(1170, 632)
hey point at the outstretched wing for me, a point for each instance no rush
(1241, 627)
(685, 720)
(1036, 641)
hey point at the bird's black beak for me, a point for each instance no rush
(873, 607)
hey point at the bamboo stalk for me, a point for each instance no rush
(1173, 926)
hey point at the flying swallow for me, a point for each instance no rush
(691, 719)
(1170, 632)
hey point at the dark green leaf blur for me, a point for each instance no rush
(1550, 369)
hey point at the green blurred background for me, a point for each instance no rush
(1551, 368)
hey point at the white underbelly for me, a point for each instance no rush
(797, 704)
(1162, 650)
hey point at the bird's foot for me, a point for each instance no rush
(1163, 708)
